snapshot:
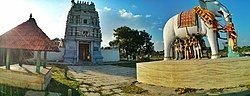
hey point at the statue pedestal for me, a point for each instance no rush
(198, 74)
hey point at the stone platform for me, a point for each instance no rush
(25, 77)
(199, 74)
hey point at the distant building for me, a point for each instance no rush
(83, 35)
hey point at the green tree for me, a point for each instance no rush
(132, 42)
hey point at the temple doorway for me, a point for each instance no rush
(84, 54)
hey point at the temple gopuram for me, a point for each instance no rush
(83, 34)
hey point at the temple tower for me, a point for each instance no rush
(83, 34)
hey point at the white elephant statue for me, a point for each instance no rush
(172, 30)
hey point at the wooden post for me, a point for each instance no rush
(20, 58)
(2, 55)
(69, 92)
(8, 59)
(45, 59)
(38, 61)
(11, 91)
(1, 90)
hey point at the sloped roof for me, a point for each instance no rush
(27, 36)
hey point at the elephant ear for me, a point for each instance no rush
(202, 4)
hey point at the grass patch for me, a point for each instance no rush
(130, 64)
(58, 75)
(133, 89)
(60, 84)
(186, 90)
(216, 90)
(106, 95)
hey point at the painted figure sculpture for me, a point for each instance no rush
(200, 20)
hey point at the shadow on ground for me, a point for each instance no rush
(57, 87)
(243, 93)
(53, 87)
(106, 69)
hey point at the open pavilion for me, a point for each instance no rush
(26, 38)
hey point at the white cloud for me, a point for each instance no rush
(126, 14)
(160, 29)
(147, 16)
(137, 16)
(134, 6)
(98, 10)
(107, 8)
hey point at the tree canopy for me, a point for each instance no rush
(133, 42)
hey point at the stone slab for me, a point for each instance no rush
(200, 74)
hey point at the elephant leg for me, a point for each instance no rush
(168, 38)
(167, 49)
(212, 39)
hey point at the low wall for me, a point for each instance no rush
(200, 74)
(110, 55)
(53, 56)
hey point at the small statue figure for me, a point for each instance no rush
(191, 44)
(186, 49)
(196, 48)
(181, 50)
(200, 49)
(177, 46)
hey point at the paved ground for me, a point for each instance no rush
(107, 80)
(103, 80)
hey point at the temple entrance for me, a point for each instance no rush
(84, 54)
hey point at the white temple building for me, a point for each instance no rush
(83, 36)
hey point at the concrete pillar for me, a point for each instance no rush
(38, 61)
(8, 59)
(91, 48)
(45, 59)
(76, 61)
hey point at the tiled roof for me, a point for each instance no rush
(27, 36)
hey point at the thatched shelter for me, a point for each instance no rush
(26, 37)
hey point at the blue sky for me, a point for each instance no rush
(149, 15)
